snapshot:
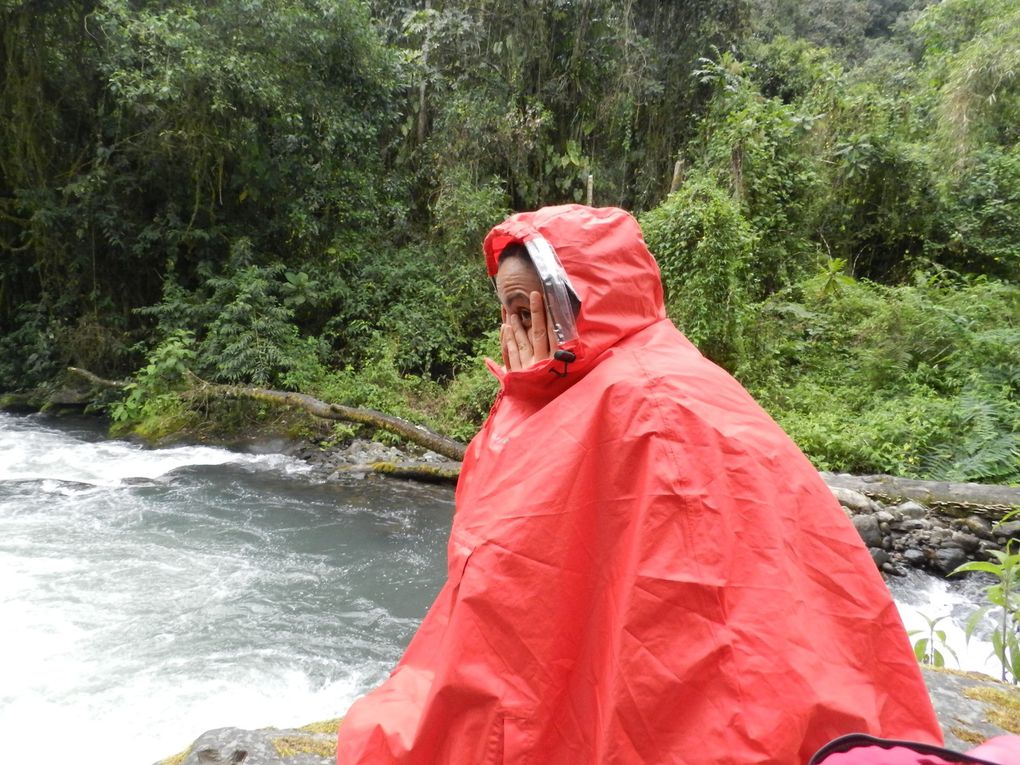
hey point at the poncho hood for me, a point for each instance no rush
(643, 569)
(616, 278)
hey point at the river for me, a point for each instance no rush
(149, 595)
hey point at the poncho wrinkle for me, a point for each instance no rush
(642, 568)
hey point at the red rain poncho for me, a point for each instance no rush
(643, 568)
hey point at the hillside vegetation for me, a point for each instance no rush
(293, 193)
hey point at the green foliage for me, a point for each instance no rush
(704, 248)
(850, 28)
(152, 395)
(932, 647)
(242, 322)
(538, 95)
(31, 354)
(1003, 597)
(283, 188)
(252, 339)
(759, 148)
(138, 139)
(471, 392)
(918, 380)
(982, 215)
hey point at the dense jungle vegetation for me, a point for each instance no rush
(292, 194)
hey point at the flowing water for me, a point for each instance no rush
(149, 595)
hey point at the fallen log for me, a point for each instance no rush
(426, 472)
(953, 499)
(416, 434)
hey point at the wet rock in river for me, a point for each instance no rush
(946, 559)
(868, 527)
(914, 557)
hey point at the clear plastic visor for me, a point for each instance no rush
(561, 298)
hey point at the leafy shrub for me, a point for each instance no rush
(919, 380)
(253, 338)
(983, 216)
(703, 246)
(471, 393)
(760, 149)
(152, 402)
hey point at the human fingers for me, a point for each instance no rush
(521, 341)
(513, 353)
(539, 334)
(503, 328)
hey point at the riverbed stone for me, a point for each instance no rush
(911, 524)
(313, 744)
(1009, 529)
(966, 542)
(880, 556)
(869, 530)
(978, 526)
(910, 510)
(852, 500)
(914, 557)
(971, 707)
(946, 559)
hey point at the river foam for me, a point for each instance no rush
(149, 595)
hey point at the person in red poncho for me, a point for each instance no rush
(643, 568)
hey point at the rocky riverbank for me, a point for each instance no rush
(909, 534)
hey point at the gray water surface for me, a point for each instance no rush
(149, 595)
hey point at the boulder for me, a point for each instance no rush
(313, 744)
(946, 559)
(868, 527)
(971, 707)
(853, 501)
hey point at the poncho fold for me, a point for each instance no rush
(642, 568)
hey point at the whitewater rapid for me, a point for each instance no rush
(149, 595)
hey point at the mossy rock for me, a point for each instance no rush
(972, 707)
(312, 744)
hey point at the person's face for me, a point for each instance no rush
(516, 279)
(524, 337)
